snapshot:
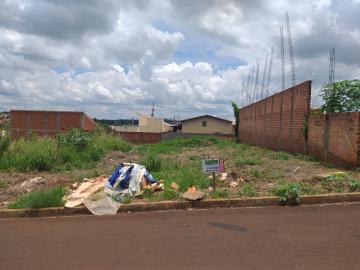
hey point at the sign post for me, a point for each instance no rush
(213, 166)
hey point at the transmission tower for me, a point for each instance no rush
(243, 93)
(282, 51)
(267, 88)
(291, 50)
(248, 80)
(256, 88)
(332, 65)
(263, 84)
(251, 85)
(153, 109)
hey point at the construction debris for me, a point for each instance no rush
(103, 196)
(29, 185)
(87, 188)
(174, 186)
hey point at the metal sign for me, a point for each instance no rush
(212, 165)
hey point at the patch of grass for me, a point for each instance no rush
(4, 144)
(280, 155)
(165, 195)
(35, 154)
(306, 157)
(248, 190)
(248, 160)
(219, 193)
(74, 150)
(151, 161)
(185, 175)
(254, 172)
(127, 199)
(3, 184)
(176, 145)
(40, 199)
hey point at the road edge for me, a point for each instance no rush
(173, 205)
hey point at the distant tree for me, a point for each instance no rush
(342, 96)
(237, 118)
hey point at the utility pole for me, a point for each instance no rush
(291, 50)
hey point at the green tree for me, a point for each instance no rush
(342, 96)
(237, 119)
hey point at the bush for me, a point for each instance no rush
(4, 144)
(76, 138)
(40, 199)
(288, 193)
(354, 185)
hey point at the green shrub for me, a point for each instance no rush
(151, 162)
(40, 199)
(288, 193)
(334, 182)
(76, 138)
(4, 144)
(354, 185)
(248, 190)
(218, 193)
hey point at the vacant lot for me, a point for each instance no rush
(249, 171)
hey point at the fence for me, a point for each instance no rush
(283, 122)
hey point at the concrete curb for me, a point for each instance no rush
(172, 205)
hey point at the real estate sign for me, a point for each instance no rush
(212, 165)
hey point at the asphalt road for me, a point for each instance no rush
(308, 237)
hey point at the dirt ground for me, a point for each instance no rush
(263, 176)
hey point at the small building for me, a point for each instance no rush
(24, 123)
(146, 124)
(207, 124)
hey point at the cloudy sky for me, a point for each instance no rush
(112, 58)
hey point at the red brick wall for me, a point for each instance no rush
(139, 137)
(47, 123)
(335, 138)
(277, 122)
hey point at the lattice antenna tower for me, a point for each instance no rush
(257, 80)
(251, 86)
(248, 80)
(291, 49)
(332, 65)
(263, 84)
(243, 93)
(153, 109)
(269, 72)
(282, 53)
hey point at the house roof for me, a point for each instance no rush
(206, 115)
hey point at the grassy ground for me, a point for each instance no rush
(250, 171)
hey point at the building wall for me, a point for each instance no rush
(277, 122)
(47, 123)
(213, 126)
(335, 138)
(140, 137)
